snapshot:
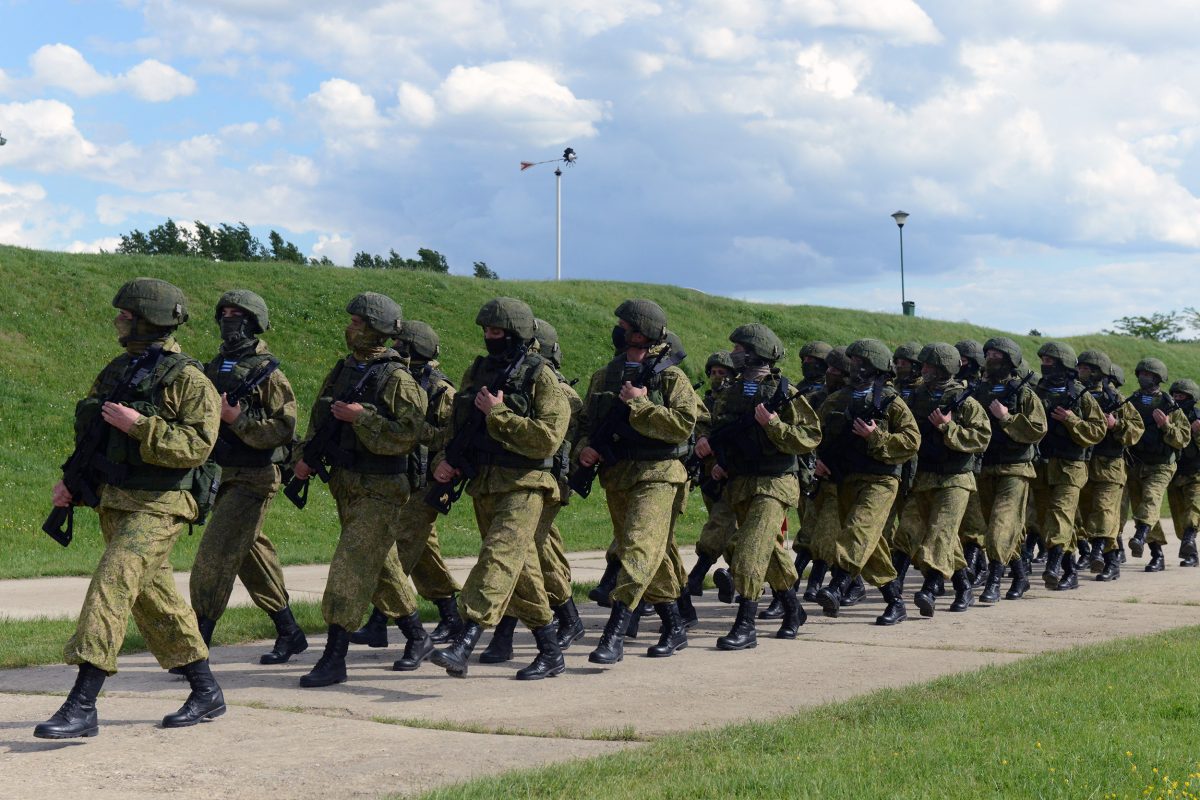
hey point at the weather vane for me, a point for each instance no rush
(568, 157)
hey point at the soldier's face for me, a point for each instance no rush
(232, 311)
(1086, 373)
(490, 332)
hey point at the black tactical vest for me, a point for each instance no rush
(434, 383)
(752, 452)
(1189, 457)
(1151, 448)
(358, 458)
(231, 451)
(628, 444)
(1058, 442)
(518, 396)
(1109, 399)
(843, 451)
(1003, 449)
(934, 456)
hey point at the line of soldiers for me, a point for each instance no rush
(926, 457)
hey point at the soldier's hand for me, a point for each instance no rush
(1110, 420)
(1160, 418)
(703, 448)
(62, 497)
(588, 457)
(719, 473)
(346, 412)
(1062, 414)
(629, 391)
(229, 413)
(939, 418)
(302, 470)
(999, 410)
(1196, 427)
(444, 473)
(821, 470)
(762, 416)
(485, 401)
(123, 418)
(864, 428)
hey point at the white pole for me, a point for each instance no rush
(558, 225)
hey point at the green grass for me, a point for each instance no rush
(1111, 720)
(56, 333)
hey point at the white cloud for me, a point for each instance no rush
(837, 77)
(338, 249)
(348, 115)
(65, 67)
(108, 244)
(28, 218)
(725, 44)
(416, 105)
(901, 21)
(157, 82)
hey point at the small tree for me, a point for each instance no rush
(482, 270)
(431, 260)
(169, 239)
(284, 251)
(134, 243)
(1159, 326)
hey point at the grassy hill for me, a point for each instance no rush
(56, 333)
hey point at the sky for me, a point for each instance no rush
(1048, 151)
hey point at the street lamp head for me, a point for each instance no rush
(900, 217)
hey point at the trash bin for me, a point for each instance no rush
(910, 308)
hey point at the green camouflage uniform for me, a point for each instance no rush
(234, 545)
(140, 527)
(718, 533)
(1152, 461)
(371, 493)
(552, 553)
(1064, 470)
(1100, 501)
(643, 493)
(1183, 495)
(815, 393)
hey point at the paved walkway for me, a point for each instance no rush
(382, 732)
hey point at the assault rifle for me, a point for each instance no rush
(241, 392)
(322, 450)
(734, 433)
(609, 429)
(460, 449)
(876, 411)
(88, 468)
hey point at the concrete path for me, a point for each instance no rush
(384, 732)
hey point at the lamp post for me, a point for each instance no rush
(568, 157)
(909, 309)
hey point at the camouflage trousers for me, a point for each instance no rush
(1003, 501)
(368, 508)
(929, 527)
(865, 504)
(1056, 499)
(718, 534)
(643, 519)
(1100, 509)
(507, 578)
(134, 576)
(973, 529)
(1147, 484)
(1183, 496)
(759, 552)
(234, 546)
(820, 522)
(552, 557)
(417, 555)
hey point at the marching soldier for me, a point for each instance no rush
(1183, 495)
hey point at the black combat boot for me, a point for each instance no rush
(1020, 580)
(1157, 562)
(612, 641)
(794, 615)
(570, 626)
(830, 598)
(895, 612)
(635, 619)
(1070, 575)
(454, 657)
(969, 552)
(500, 648)
(803, 559)
(418, 645)
(76, 717)
(1084, 553)
(687, 610)
(1054, 567)
(1188, 555)
(774, 609)
(673, 635)
(1120, 549)
(963, 596)
(855, 593)
(1096, 564)
(695, 581)
(289, 638)
(1031, 541)
(901, 562)
(206, 626)
(449, 622)
(816, 576)
(206, 702)
(979, 567)
(723, 578)
(742, 636)
(924, 598)
(608, 582)
(331, 666)
(1137, 543)
(549, 661)
(995, 574)
(1112, 566)
(373, 633)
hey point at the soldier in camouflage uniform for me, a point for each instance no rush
(418, 553)
(255, 438)
(907, 366)
(758, 430)
(716, 538)
(552, 554)
(1100, 500)
(1183, 495)
(377, 428)
(867, 434)
(157, 442)
(522, 422)
(644, 486)
(1152, 458)
(971, 532)
(1074, 424)
(954, 432)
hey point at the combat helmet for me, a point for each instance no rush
(837, 359)
(1153, 366)
(719, 359)
(157, 302)
(547, 339)
(759, 340)
(1117, 375)
(1060, 350)
(249, 302)
(510, 314)
(381, 313)
(909, 351)
(942, 355)
(644, 316)
(818, 349)
(420, 338)
(972, 351)
(872, 351)
(1186, 386)
(1005, 345)
(1098, 359)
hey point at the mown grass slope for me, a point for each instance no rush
(56, 333)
